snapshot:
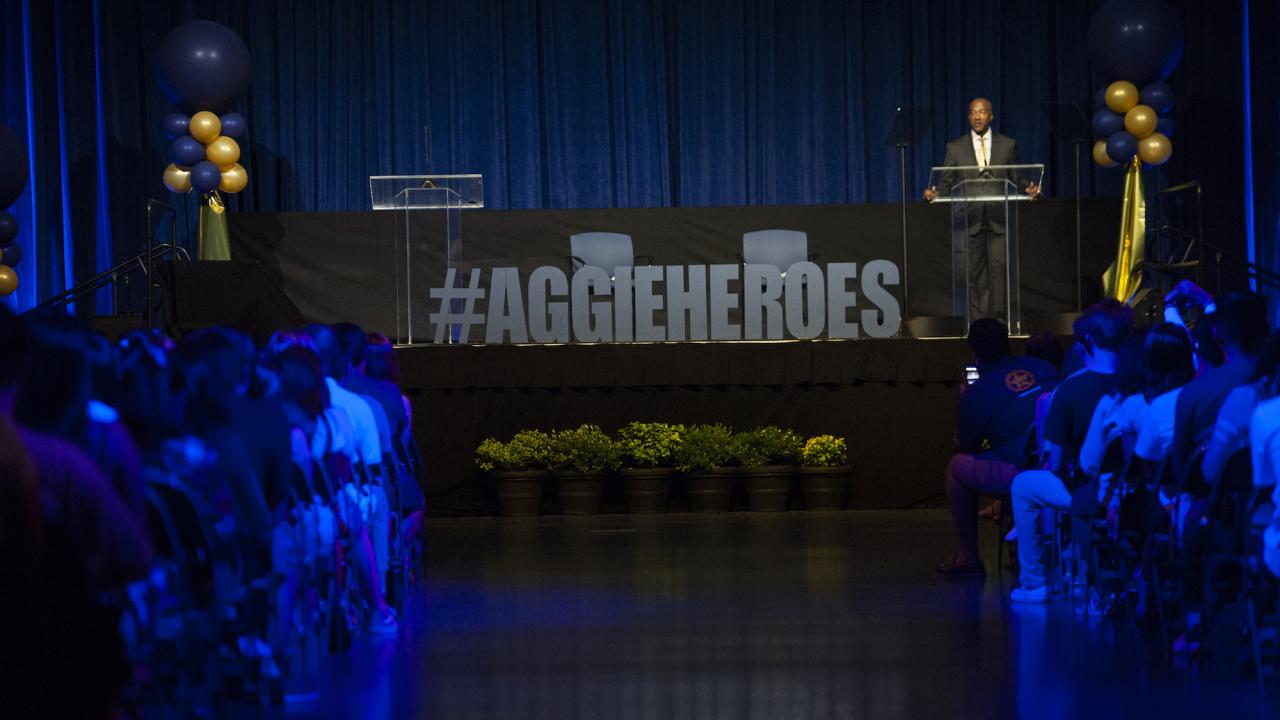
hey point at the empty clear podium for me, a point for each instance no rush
(984, 237)
(426, 242)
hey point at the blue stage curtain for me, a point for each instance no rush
(577, 103)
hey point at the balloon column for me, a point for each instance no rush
(13, 179)
(203, 68)
(1136, 44)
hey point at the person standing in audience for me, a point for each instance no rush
(1240, 327)
(1104, 328)
(994, 419)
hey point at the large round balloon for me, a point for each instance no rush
(1100, 155)
(1157, 96)
(1164, 126)
(234, 126)
(1155, 149)
(224, 152)
(175, 125)
(205, 126)
(1106, 122)
(8, 228)
(187, 151)
(1122, 95)
(1140, 121)
(8, 280)
(177, 179)
(205, 176)
(13, 166)
(1136, 40)
(234, 179)
(203, 65)
(1100, 99)
(1122, 146)
(11, 255)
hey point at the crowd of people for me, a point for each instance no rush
(186, 522)
(1135, 469)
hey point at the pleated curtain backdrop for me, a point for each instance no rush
(572, 103)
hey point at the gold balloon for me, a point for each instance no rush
(205, 126)
(1100, 155)
(1121, 96)
(234, 180)
(8, 280)
(1155, 149)
(1140, 121)
(225, 152)
(177, 179)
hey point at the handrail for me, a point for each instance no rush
(1262, 274)
(107, 277)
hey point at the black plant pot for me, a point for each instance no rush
(768, 487)
(710, 490)
(519, 491)
(646, 489)
(580, 493)
(824, 488)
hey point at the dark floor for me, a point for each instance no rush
(793, 615)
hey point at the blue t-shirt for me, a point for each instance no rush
(997, 410)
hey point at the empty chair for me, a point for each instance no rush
(606, 250)
(779, 248)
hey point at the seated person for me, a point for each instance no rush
(1231, 431)
(1240, 326)
(1105, 327)
(991, 433)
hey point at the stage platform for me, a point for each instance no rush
(895, 401)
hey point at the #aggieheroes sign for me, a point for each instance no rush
(669, 303)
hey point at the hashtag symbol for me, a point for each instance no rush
(457, 305)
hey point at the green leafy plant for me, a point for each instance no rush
(768, 445)
(527, 450)
(585, 449)
(650, 445)
(825, 451)
(704, 447)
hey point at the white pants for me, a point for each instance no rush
(1032, 491)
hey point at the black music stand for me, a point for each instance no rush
(909, 126)
(1067, 123)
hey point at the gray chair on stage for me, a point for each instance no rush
(779, 248)
(606, 250)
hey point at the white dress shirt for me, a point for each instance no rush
(983, 159)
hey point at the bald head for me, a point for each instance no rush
(980, 115)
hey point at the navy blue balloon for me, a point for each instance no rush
(1106, 122)
(11, 255)
(1121, 147)
(1136, 40)
(8, 228)
(1164, 126)
(13, 166)
(175, 125)
(1158, 96)
(234, 125)
(1100, 98)
(205, 176)
(203, 65)
(187, 151)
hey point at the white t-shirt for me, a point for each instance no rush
(1155, 439)
(1264, 443)
(1111, 418)
(362, 421)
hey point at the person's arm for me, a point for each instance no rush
(931, 193)
(1095, 441)
(1229, 430)
(1264, 450)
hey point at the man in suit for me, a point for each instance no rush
(982, 147)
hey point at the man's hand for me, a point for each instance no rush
(931, 193)
(1033, 190)
(1189, 291)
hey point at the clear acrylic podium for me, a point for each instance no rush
(427, 243)
(984, 202)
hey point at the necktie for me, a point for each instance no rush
(982, 155)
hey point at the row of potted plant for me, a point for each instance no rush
(648, 454)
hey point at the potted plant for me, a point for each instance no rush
(579, 460)
(648, 462)
(824, 472)
(518, 468)
(768, 456)
(704, 454)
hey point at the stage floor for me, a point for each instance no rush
(744, 615)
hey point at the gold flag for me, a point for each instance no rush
(213, 241)
(1122, 279)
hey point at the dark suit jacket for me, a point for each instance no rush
(1004, 151)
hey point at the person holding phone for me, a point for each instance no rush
(996, 411)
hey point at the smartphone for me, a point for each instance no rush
(970, 374)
